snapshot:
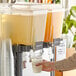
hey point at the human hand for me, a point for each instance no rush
(46, 66)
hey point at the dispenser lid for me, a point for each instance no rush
(30, 8)
(37, 8)
(22, 8)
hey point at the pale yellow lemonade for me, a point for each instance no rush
(23, 29)
(57, 20)
(39, 23)
(18, 28)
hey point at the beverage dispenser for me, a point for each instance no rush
(25, 25)
(31, 27)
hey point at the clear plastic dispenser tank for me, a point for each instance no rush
(24, 24)
(28, 26)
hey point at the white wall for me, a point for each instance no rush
(72, 2)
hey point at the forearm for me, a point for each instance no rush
(66, 64)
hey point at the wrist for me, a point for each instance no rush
(53, 66)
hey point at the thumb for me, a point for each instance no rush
(39, 64)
